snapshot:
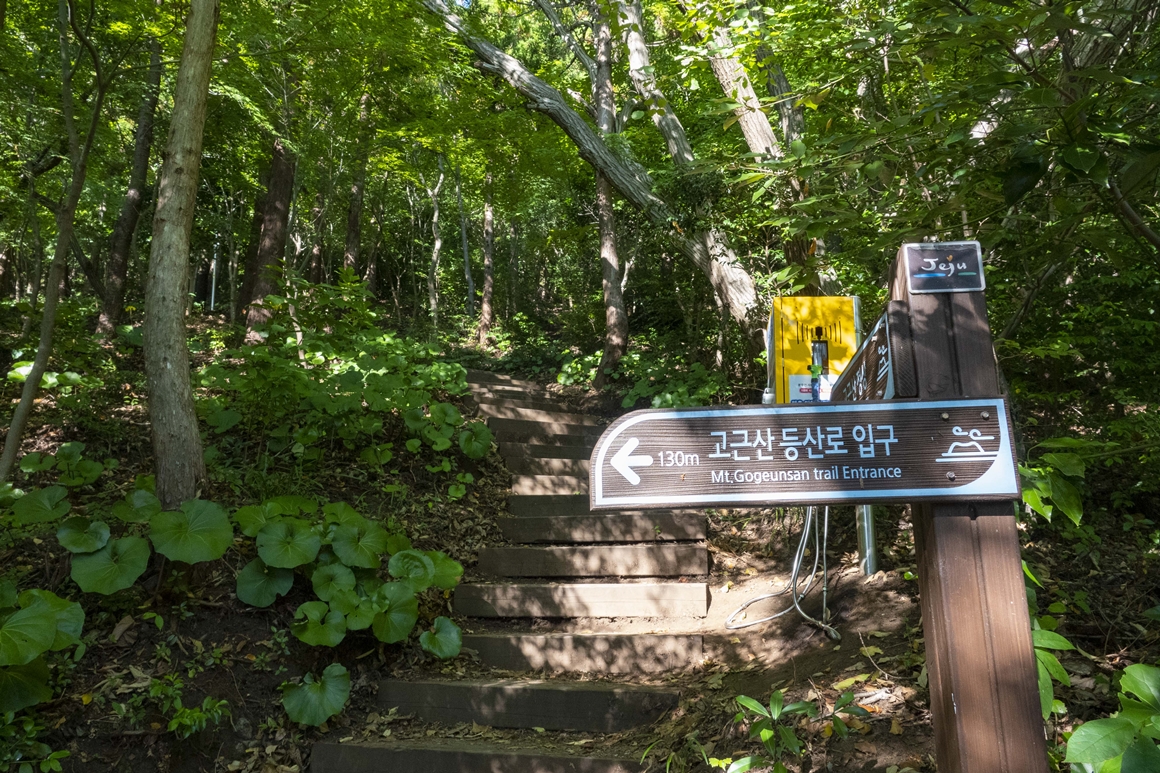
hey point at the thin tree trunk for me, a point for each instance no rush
(433, 274)
(36, 267)
(177, 449)
(357, 189)
(513, 268)
(316, 218)
(615, 318)
(486, 313)
(262, 276)
(117, 267)
(735, 83)
(250, 259)
(78, 156)
(466, 252)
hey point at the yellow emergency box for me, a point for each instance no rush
(823, 331)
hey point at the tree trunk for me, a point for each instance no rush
(78, 157)
(262, 276)
(513, 269)
(117, 267)
(317, 219)
(615, 318)
(710, 252)
(466, 252)
(357, 189)
(177, 450)
(735, 83)
(433, 273)
(486, 314)
(250, 259)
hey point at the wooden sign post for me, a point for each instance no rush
(980, 660)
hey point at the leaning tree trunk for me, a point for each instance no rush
(177, 447)
(79, 151)
(117, 267)
(486, 313)
(615, 318)
(709, 251)
(262, 276)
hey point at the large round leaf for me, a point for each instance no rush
(114, 567)
(25, 634)
(330, 579)
(199, 531)
(260, 585)
(1099, 740)
(360, 545)
(475, 440)
(288, 543)
(137, 507)
(293, 504)
(397, 543)
(444, 641)
(24, 686)
(361, 617)
(80, 535)
(317, 700)
(412, 568)
(398, 611)
(341, 512)
(447, 569)
(68, 616)
(253, 518)
(317, 624)
(46, 504)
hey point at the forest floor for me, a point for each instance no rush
(186, 628)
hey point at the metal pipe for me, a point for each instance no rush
(867, 549)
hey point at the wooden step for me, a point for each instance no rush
(549, 484)
(542, 404)
(663, 560)
(489, 377)
(558, 416)
(554, 432)
(531, 465)
(590, 653)
(658, 526)
(594, 707)
(645, 599)
(548, 504)
(453, 755)
(512, 392)
(513, 451)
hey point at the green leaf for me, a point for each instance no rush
(1081, 158)
(317, 700)
(398, 612)
(444, 641)
(251, 519)
(24, 686)
(412, 568)
(223, 420)
(1143, 682)
(42, 505)
(342, 513)
(330, 579)
(1071, 465)
(397, 543)
(199, 532)
(80, 535)
(362, 616)
(68, 616)
(114, 567)
(1050, 640)
(752, 705)
(1052, 664)
(1046, 692)
(445, 413)
(37, 462)
(475, 440)
(137, 507)
(80, 473)
(260, 585)
(293, 504)
(360, 545)
(1066, 497)
(1141, 757)
(1100, 739)
(25, 634)
(319, 625)
(7, 594)
(288, 543)
(448, 571)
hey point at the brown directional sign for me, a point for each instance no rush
(944, 267)
(820, 453)
(883, 368)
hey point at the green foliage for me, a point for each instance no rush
(317, 624)
(288, 542)
(42, 505)
(773, 726)
(80, 535)
(114, 567)
(31, 624)
(199, 532)
(137, 507)
(416, 570)
(1127, 741)
(444, 640)
(20, 746)
(260, 585)
(317, 699)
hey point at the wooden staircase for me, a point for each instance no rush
(541, 602)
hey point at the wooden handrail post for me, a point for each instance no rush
(980, 660)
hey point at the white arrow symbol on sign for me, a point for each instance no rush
(623, 463)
